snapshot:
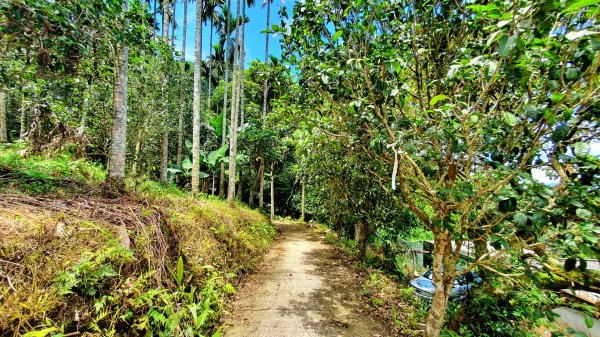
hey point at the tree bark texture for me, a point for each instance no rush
(23, 129)
(116, 167)
(303, 197)
(164, 144)
(3, 128)
(272, 191)
(179, 157)
(234, 107)
(225, 87)
(443, 280)
(196, 108)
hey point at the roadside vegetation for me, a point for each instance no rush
(68, 267)
(448, 124)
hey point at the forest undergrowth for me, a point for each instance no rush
(154, 262)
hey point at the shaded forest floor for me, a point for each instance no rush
(302, 288)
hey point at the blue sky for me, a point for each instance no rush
(255, 40)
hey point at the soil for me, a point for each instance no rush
(302, 288)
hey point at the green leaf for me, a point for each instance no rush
(581, 149)
(520, 219)
(506, 45)
(40, 333)
(589, 321)
(437, 98)
(179, 275)
(510, 119)
(583, 213)
(186, 164)
(215, 155)
(217, 124)
(571, 74)
(337, 35)
(203, 175)
(583, 3)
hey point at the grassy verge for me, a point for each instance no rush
(68, 268)
(389, 298)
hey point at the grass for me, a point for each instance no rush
(388, 298)
(63, 267)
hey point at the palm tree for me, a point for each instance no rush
(116, 167)
(3, 134)
(181, 89)
(164, 145)
(196, 108)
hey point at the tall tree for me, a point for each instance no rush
(3, 129)
(181, 88)
(235, 95)
(227, 17)
(164, 144)
(197, 106)
(116, 167)
(261, 170)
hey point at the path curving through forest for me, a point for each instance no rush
(301, 289)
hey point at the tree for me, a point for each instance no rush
(182, 102)
(3, 129)
(196, 107)
(116, 168)
(466, 112)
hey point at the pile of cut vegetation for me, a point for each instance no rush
(156, 261)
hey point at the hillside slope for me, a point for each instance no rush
(67, 267)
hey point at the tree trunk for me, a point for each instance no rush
(179, 157)
(196, 108)
(224, 112)
(116, 167)
(210, 53)
(164, 144)
(444, 265)
(85, 107)
(23, 130)
(261, 183)
(272, 191)
(164, 157)
(234, 106)
(136, 156)
(3, 128)
(360, 237)
(265, 87)
(303, 198)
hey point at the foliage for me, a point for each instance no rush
(502, 308)
(452, 107)
(42, 174)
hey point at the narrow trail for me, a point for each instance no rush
(301, 289)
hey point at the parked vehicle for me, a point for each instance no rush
(464, 283)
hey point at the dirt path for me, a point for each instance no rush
(301, 289)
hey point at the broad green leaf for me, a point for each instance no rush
(215, 155)
(589, 321)
(337, 35)
(506, 45)
(203, 175)
(583, 213)
(437, 98)
(186, 164)
(510, 119)
(582, 3)
(581, 149)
